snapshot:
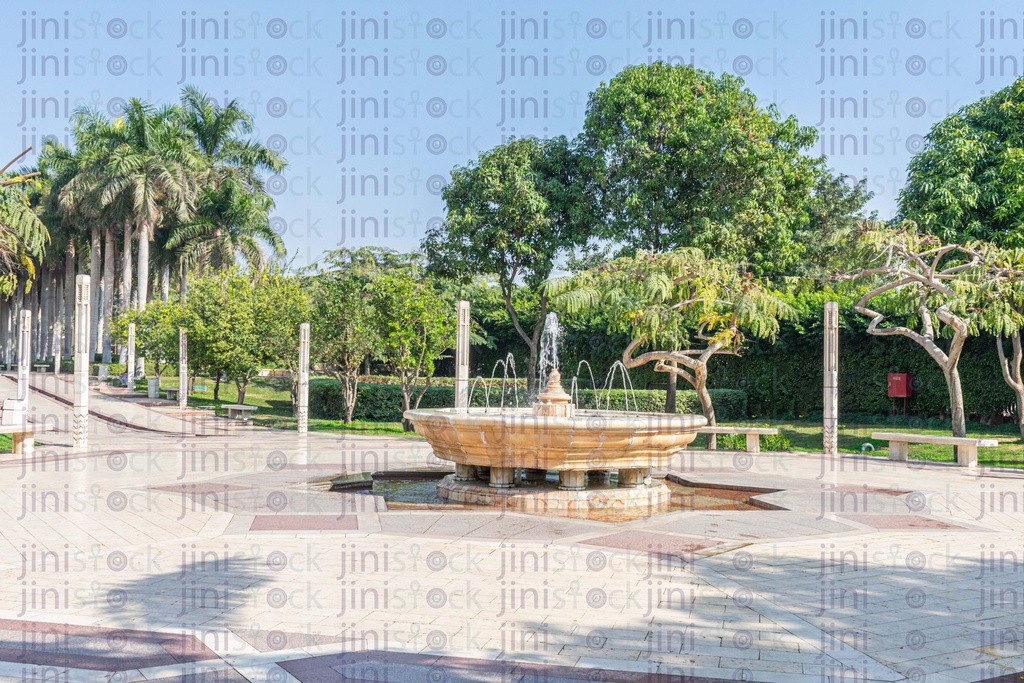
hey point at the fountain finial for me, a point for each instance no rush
(553, 401)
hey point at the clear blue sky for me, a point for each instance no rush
(374, 103)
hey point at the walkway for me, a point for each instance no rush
(182, 547)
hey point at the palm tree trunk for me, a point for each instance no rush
(16, 317)
(5, 328)
(143, 265)
(69, 296)
(109, 257)
(57, 332)
(45, 315)
(45, 296)
(58, 322)
(165, 282)
(94, 291)
(140, 362)
(36, 320)
(126, 267)
(183, 284)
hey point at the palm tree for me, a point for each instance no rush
(23, 239)
(152, 164)
(141, 169)
(22, 234)
(232, 207)
(230, 221)
(78, 178)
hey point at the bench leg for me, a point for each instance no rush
(967, 456)
(753, 443)
(899, 450)
(23, 444)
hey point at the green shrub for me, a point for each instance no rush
(383, 402)
(769, 442)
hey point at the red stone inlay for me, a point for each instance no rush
(374, 665)
(273, 641)
(303, 523)
(1006, 678)
(94, 648)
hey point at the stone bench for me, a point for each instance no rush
(236, 411)
(172, 393)
(966, 449)
(41, 367)
(753, 434)
(22, 442)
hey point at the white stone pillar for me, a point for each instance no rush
(830, 426)
(80, 414)
(462, 356)
(182, 368)
(130, 365)
(303, 407)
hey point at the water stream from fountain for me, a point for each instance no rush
(548, 361)
(548, 354)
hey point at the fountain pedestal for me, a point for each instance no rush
(547, 497)
(489, 447)
(634, 477)
(502, 477)
(465, 473)
(572, 480)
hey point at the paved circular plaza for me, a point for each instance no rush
(183, 545)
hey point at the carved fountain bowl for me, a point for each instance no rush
(588, 440)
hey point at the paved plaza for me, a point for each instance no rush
(183, 546)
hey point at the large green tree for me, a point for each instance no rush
(343, 331)
(968, 181)
(414, 327)
(924, 290)
(239, 324)
(691, 160)
(511, 214)
(680, 309)
(156, 335)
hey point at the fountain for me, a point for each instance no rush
(502, 457)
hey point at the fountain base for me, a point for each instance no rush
(548, 497)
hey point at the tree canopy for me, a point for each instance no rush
(511, 214)
(968, 181)
(686, 306)
(691, 160)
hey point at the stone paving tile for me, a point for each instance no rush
(803, 592)
(647, 542)
(303, 523)
(901, 522)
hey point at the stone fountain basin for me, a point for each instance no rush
(588, 440)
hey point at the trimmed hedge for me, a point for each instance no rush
(383, 402)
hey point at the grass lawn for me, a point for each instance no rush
(271, 396)
(806, 436)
